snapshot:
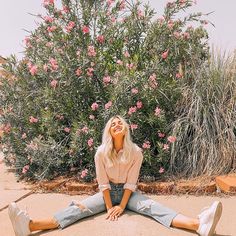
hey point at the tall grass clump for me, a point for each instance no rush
(205, 127)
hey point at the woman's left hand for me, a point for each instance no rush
(114, 212)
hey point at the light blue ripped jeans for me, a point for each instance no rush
(95, 204)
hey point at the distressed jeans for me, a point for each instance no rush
(95, 204)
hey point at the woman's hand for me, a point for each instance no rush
(114, 212)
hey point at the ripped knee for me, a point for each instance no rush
(145, 204)
(81, 206)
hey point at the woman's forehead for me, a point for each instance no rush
(116, 119)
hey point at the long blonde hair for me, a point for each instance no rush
(108, 146)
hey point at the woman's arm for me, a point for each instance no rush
(107, 199)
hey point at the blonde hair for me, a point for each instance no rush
(109, 151)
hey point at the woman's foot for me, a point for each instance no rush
(19, 219)
(209, 218)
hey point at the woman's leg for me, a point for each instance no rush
(181, 221)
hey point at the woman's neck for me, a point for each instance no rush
(118, 143)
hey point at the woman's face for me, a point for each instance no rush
(117, 128)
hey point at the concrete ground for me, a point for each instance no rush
(42, 206)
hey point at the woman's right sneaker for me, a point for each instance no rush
(19, 219)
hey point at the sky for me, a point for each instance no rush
(16, 19)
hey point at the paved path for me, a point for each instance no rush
(130, 224)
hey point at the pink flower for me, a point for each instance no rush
(85, 130)
(70, 26)
(53, 63)
(67, 130)
(164, 55)
(134, 91)
(106, 79)
(48, 19)
(186, 35)
(166, 147)
(126, 54)
(109, 2)
(84, 173)
(33, 119)
(152, 81)
(25, 169)
(91, 117)
(170, 24)
(161, 135)
(133, 126)
(161, 19)
(119, 62)
(140, 14)
(53, 83)
(78, 72)
(178, 76)
(146, 145)
(65, 9)
(51, 29)
(24, 136)
(113, 19)
(157, 111)
(130, 66)
(78, 53)
(48, 2)
(60, 117)
(132, 110)
(171, 139)
(27, 42)
(85, 29)
(94, 106)
(176, 34)
(45, 67)
(90, 71)
(161, 170)
(90, 142)
(108, 105)
(122, 5)
(33, 70)
(91, 51)
(139, 104)
(182, 2)
(100, 38)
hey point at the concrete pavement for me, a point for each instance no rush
(42, 206)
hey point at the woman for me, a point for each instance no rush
(118, 161)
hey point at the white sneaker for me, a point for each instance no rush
(209, 218)
(19, 219)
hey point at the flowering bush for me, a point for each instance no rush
(88, 61)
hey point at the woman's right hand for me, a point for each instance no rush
(114, 212)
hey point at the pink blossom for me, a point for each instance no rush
(94, 106)
(90, 71)
(32, 145)
(60, 117)
(161, 19)
(53, 63)
(48, 2)
(78, 72)
(84, 173)
(24, 136)
(51, 29)
(186, 35)
(133, 126)
(91, 117)
(122, 5)
(48, 19)
(130, 66)
(161, 135)
(53, 83)
(45, 67)
(85, 29)
(119, 62)
(161, 170)
(106, 79)
(166, 147)
(49, 44)
(170, 24)
(33, 70)
(65, 9)
(146, 145)
(85, 130)
(33, 119)
(109, 2)
(178, 76)
(67, 129)
(134, 91)
(140, 13)
(113, 19)
(132, 110)
(91, 51)
(27, 42)
(171, 139)
(70, 26)
(157, 111)
(176, 34)
(78, 53)
(139, 104)
(100, 38)
(6, 128)
(152, 81)
(182, 1)
(108, 105)
(126, 54)
(90, 142)
(25, 169)
(164, 55)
